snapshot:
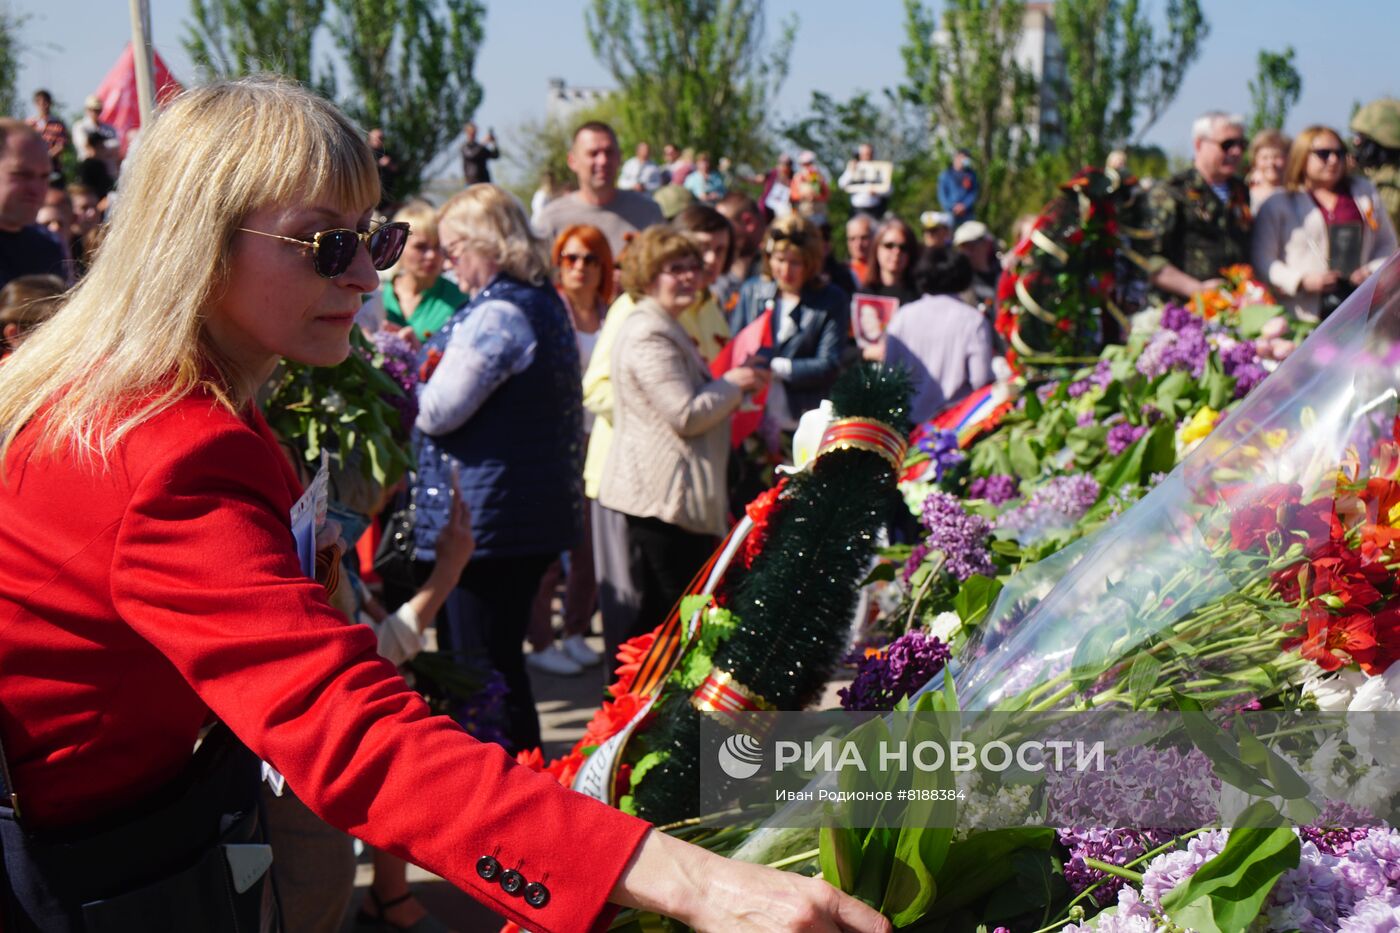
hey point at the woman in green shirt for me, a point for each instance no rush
(416, 294)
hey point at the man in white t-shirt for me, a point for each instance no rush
(594, 159)
(639, 173)
(103, 137)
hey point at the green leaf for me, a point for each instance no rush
(975, 597)
(1160, 456)
(883, 572)
(1173, 386)
(1033, 407)
(1226, 894)
(1219, 388)
(693, 604)
(1037, 881)
(982, 862)
(1220, 747)
(1282, 776)
(1024, 460)
(876, 866)
(1254, 317)
(1142, 678)
(840, 856)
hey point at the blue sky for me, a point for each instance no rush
(1345, 53)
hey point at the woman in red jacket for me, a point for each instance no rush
(149, 582)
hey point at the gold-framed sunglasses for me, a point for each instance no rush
(332, 251)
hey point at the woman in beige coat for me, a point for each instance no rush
(666, 469)
(1317, 241)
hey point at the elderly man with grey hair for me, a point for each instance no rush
(1199, 219)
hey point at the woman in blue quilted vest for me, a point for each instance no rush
(502, 408)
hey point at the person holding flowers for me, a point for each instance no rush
(1317, 241)
(151, 583)
(665, 469)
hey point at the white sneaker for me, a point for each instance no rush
(578, 651)
(553, 661)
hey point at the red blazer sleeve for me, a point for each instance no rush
(204, 569)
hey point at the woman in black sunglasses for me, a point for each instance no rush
(150, 584)
(1317, 241)
(890, 262)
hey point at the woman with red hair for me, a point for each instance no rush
(584, 275)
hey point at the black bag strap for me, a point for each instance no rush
(7, 784)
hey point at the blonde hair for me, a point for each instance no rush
(421, 218)
(132, 340)
(797, 232)
(649, 253)
(491, 221)
(1295, 173)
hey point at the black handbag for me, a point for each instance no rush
(192, 857)
(393, 559)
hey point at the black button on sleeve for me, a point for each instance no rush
(488, 868)
(512, 881)
(536, 894)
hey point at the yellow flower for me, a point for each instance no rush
(1201, 424)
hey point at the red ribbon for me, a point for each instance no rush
(864, 434)
(721, 693)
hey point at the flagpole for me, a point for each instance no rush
(141, 52)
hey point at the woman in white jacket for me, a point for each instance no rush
(1317, 241)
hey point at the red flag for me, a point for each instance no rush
(757, 335)
(120, 105)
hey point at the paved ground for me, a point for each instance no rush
(566, 704)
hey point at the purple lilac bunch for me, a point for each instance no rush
(1241, 362)
(1142, 786)
(942, 449)
(1358, 892)
(1338, 828)
(1124, 435)
(960, 536)
(887, 676)
(1098, 379)
(1178, 318)
(1058, 504)
(1171, 348)
(1114, 846)
(399, 364)
(999, 488)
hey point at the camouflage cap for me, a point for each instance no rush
(1380, 120)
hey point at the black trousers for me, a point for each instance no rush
(664, 559)
(487, 617)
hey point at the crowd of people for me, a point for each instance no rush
(586, 430)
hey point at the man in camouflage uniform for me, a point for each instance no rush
(1377, 142)
(1199, 221)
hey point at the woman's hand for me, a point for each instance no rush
(1359, 275)
(455, 542)
(714, 894)
(1320, 281)
(748, 378)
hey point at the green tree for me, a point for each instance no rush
(10, 25)
(692, 72)
(961, 70)
(1120, 73)
(834, 128)
(230, 38)
(410, 65)
(1274, 90)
